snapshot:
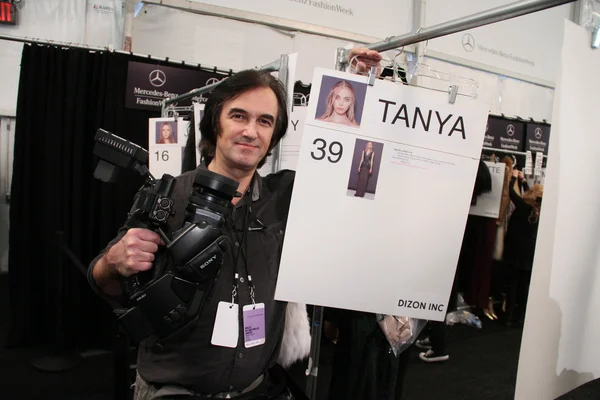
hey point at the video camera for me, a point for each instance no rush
(169, 298)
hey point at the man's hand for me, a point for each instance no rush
(134, 252)
(365, 59)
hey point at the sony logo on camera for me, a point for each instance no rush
(208, 262)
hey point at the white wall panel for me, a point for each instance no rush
(526, 45)
(526, 100)
(62, 20)
(314, 51)
(7, 136)
(180, 35)
(502, 95)
(375, 18)
(105, 23)
(560, 348)
(59, 20)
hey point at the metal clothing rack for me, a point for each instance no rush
(280, 65)
(519, 153)
(517, 118)
(497, 14)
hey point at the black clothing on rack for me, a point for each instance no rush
(519, 249)
(364, 366)
(521, 235)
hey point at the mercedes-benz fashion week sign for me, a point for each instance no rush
(382, 193)
(504, 134)
(525, 46)
(537, 138)
(148, 84)
(375, 18)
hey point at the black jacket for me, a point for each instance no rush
(521, 235)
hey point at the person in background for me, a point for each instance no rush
(519, 243)
(435, 343)
(364, 364)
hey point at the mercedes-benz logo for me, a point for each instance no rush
(468, 42)
(538, 133)
(157, 78)
(510, 130)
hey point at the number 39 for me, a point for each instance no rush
(335, 149)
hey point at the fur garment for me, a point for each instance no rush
(296, 335)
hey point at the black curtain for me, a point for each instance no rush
(64, 96)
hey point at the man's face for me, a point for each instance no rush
(247, 124)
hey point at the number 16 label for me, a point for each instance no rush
(165, 159)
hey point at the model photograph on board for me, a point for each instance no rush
(341, 101)
(166, 132)
(365, 169)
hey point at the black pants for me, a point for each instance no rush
(518, 292)
(437, 330)
(272, 388)
(437, 337)
(364, 367)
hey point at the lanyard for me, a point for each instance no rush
(242, 249)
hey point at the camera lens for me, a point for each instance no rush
(213, 192)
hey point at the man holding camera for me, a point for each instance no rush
(244, 120)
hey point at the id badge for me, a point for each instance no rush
(254, 325)
(227, 325)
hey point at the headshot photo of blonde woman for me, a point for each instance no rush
(341, 101)
(166, 132)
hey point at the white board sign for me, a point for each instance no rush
(488, 204)
(166, 138)
(526, 45)
(381, 197)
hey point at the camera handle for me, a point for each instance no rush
(133, 284)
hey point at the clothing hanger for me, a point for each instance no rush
(421, 74)
(176, 111)
(430, 78)
(300, 99)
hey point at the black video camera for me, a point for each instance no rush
(169, 298)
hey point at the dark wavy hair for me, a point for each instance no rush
(231, 88)
(483, 182)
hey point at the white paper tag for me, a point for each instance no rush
(528, 164)
(227, 325)
(539, 161)
(254, 325)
